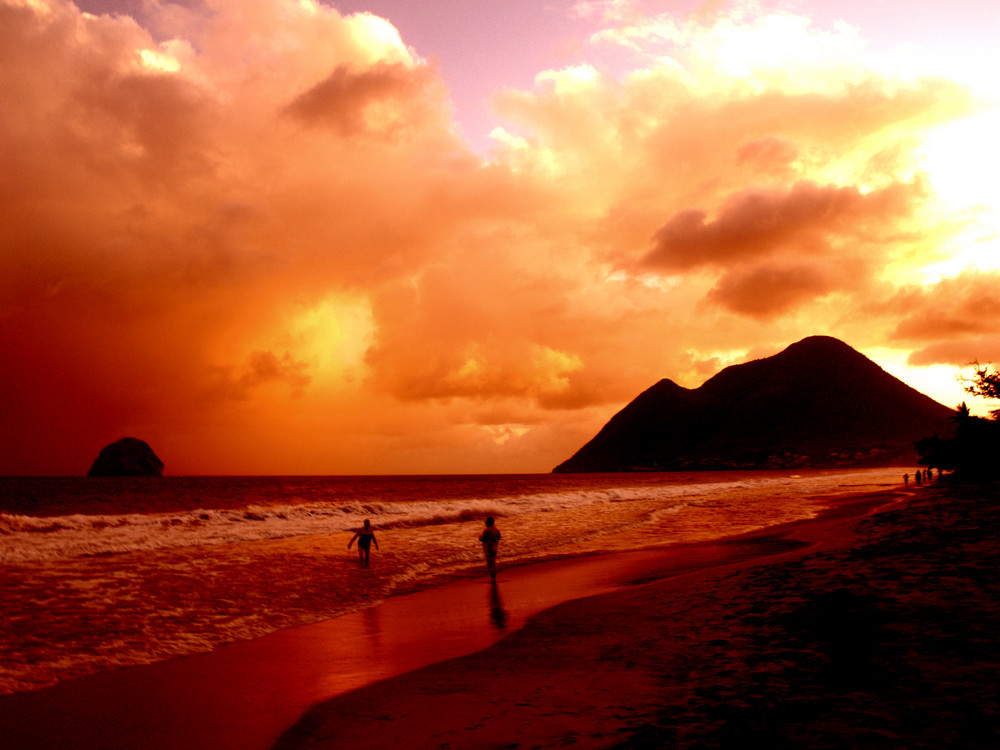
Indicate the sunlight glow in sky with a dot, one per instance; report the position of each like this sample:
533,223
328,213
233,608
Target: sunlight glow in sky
283,236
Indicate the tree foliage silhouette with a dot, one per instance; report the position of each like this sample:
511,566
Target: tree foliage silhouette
973,454
984,383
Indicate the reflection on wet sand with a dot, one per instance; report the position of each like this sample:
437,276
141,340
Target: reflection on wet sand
498,615
373,629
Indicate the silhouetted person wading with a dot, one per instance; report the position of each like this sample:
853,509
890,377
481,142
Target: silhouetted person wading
365,537
491,541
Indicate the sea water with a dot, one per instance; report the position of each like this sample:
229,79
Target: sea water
99,574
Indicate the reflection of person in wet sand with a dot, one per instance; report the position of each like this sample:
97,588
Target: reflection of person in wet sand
491,542
365,537
498,615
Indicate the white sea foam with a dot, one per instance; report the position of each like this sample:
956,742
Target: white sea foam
25,539
28,538
124,588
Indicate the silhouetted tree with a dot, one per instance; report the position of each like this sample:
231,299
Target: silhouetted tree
962,413
973,454
936,453
984,382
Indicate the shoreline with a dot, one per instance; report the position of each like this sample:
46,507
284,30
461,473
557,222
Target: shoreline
245,695
878,629
87,596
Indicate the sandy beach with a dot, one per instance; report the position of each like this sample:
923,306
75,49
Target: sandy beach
879,631
871,626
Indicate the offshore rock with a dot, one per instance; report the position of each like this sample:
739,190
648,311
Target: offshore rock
128,457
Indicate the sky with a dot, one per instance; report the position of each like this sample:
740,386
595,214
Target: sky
291,237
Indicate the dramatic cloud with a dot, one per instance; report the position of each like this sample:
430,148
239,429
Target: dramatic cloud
381,100
806,220
250,233
766,291
965,306
960,353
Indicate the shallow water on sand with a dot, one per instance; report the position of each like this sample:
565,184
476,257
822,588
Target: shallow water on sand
109,573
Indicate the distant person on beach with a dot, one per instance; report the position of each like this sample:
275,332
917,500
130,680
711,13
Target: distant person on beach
491,541
906,480
365,536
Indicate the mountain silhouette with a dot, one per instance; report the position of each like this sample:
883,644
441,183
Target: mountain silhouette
819,403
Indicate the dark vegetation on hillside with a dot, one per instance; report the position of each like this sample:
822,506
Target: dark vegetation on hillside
973,453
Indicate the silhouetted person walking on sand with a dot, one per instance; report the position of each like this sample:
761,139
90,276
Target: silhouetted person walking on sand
365,537
491,541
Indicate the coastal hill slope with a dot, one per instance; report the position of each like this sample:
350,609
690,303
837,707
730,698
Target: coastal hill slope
819,403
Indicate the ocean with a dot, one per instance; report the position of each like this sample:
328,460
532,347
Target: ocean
100,574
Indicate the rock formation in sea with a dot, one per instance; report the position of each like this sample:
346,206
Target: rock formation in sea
128,457
819,403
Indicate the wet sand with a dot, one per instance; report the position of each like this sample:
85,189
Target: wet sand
880,632
244,695
672,641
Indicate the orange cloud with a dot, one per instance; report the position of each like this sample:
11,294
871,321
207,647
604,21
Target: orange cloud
967,305
959,353
768,155
248,233
765,291
263,368
379,100
807,219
